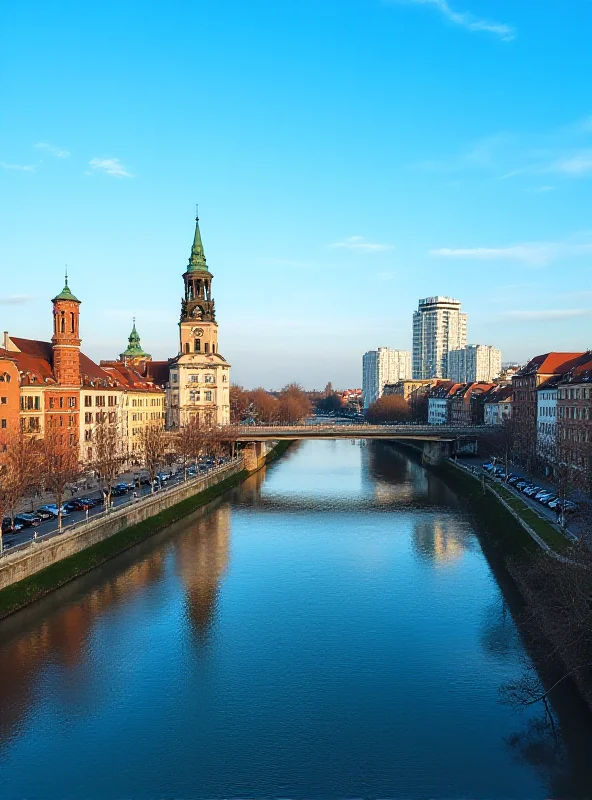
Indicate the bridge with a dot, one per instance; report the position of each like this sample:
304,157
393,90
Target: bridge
422,433
436,438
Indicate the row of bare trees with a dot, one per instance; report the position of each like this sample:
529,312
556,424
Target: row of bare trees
291,404
30,466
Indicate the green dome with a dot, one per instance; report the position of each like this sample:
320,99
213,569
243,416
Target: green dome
134,348
66,294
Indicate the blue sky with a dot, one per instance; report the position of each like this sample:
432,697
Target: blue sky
348,156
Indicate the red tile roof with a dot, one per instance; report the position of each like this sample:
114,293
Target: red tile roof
551,363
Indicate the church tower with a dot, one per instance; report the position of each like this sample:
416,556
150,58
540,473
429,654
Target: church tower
199,376
65,341
199,331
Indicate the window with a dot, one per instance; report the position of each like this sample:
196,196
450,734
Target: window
112,400
3,400
52,402
61,402
72,438
197,345
186,347
72,402
207,348
87,400
72,329
112,416
3,424
87,418
209,379
175,377
194,396
194,379
71,421
88,436
100,400
208,397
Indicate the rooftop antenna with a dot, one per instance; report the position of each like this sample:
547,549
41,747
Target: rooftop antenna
66,274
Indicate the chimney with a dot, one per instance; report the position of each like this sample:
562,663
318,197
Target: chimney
6,340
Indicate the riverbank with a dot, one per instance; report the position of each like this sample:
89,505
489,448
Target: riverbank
514,550
45,566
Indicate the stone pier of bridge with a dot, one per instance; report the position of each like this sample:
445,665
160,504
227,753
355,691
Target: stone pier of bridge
434,453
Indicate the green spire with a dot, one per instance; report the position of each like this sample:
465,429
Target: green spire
134,348
197,259
66,294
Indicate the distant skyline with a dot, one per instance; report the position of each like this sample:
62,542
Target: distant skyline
348,156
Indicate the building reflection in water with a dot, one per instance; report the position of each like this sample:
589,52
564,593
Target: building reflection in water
55,632
441,540
202,560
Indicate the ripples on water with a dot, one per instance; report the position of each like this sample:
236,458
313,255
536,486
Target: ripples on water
331,630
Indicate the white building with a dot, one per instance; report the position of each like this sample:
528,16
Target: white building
438,327
199,378
439,404
380,367
497,407
476,362
547,420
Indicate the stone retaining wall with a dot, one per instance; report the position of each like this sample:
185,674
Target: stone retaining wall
21,564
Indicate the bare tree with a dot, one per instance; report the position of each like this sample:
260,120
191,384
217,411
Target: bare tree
108,452
389,408
502,444
18,472
189,442
240,402
59,465
153,444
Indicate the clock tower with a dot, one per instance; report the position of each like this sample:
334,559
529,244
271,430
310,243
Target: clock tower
199,376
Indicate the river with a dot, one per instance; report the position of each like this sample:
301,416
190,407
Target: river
332,629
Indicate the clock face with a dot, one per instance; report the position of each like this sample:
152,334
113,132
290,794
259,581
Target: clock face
197,331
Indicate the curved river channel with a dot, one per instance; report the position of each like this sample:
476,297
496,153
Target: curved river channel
332,629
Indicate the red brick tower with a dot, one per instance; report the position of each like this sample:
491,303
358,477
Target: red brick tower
66,338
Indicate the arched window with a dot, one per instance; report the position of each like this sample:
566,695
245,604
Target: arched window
72,328
63,323
197,345
186,347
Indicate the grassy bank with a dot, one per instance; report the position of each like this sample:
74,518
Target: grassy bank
26,591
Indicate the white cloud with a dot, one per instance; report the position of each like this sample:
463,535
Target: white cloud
469,21
15,300
548,315
359,244
58,152
534,254
110,166
574,165
19,167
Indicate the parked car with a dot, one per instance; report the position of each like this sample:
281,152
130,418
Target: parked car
28,520
145,480
9,527
90,502
530,491
118,491
513,480
548,500
77,504
50,509
164,476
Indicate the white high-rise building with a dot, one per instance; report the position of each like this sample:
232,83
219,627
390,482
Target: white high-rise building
438,327
380,367
476,362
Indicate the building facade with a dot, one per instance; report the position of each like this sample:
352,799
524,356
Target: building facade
439,402
497,405
524,407
474,363
546,434
381,367
439,326
574,423
199,377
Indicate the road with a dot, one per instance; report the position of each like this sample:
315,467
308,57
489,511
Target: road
51,525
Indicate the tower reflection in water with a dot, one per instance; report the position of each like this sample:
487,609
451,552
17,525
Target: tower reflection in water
202,560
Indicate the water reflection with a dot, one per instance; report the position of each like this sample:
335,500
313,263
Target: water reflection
330,629
201,560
